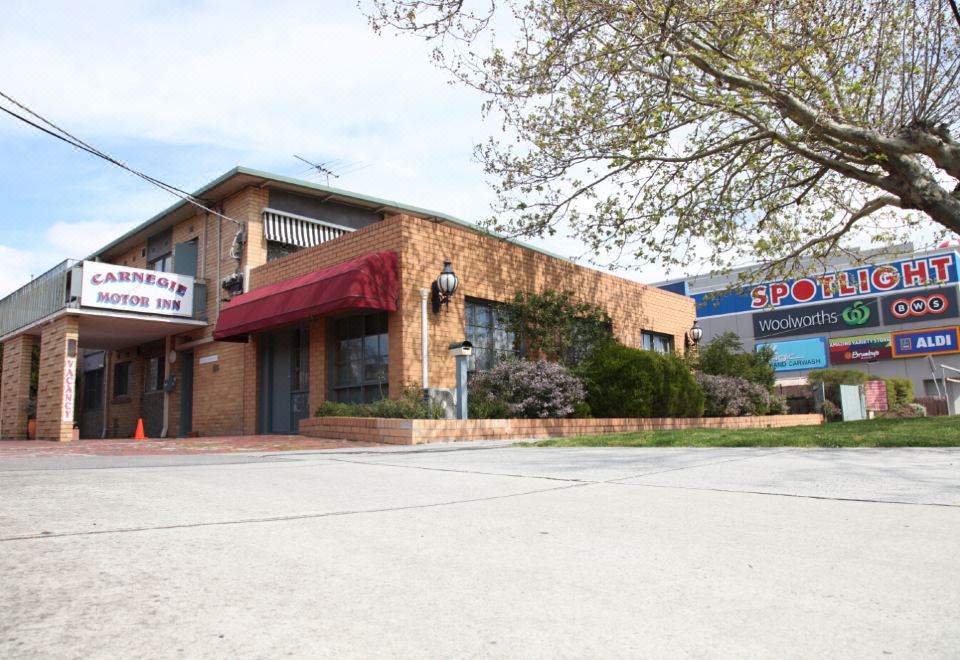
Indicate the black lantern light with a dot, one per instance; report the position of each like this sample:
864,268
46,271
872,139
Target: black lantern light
695,334
444,286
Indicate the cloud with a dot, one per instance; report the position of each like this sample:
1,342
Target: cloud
17,267
83,238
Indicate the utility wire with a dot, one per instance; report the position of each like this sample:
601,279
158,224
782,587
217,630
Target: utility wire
76,142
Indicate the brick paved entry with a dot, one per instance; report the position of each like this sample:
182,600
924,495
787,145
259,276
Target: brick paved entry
219,445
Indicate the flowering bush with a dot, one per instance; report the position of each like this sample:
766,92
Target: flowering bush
526,389
729,396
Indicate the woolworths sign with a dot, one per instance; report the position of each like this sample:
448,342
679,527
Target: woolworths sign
850,315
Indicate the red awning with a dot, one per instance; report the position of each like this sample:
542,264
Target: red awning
367,282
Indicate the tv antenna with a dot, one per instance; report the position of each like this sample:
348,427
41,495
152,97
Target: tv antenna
321,168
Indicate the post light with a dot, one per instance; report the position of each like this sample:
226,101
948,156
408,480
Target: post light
695,334
444,286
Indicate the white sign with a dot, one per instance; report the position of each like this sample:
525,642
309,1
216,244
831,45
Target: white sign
69,383
119,288
208,359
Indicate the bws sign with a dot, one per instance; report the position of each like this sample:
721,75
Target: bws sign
851,283
850,315
930,341
925,305
119,288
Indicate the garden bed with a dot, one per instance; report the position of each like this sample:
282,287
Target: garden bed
420,431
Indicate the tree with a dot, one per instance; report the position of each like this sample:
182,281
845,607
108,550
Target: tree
724,356
556,327
752,128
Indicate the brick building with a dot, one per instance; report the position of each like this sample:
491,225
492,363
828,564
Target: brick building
242,317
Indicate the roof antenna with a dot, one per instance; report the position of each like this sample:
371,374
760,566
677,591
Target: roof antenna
321,168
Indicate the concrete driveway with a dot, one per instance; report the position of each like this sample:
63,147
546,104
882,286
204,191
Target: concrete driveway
483,551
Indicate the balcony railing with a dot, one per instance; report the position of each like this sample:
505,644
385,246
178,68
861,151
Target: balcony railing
39,298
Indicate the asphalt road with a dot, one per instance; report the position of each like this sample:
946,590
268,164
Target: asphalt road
483,551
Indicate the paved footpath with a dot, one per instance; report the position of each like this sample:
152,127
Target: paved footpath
482,551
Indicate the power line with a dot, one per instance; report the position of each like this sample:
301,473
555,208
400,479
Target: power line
76,142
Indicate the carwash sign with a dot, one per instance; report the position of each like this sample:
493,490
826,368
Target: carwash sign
119,288
851,283
798,354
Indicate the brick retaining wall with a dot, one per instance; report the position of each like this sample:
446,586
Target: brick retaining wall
419,431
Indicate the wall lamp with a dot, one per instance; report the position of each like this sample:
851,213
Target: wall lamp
443,287
694,334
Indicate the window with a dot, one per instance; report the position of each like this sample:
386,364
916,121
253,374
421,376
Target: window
656,342
160,251
488,333
163,263
278,250
121,380
153,375
359,364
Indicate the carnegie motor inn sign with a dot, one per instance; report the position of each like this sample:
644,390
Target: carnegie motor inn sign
829,287
123,289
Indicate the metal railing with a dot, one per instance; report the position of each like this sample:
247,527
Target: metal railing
39,298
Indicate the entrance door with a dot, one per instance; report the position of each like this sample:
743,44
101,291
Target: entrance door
186,393
151,403
91,406
284,379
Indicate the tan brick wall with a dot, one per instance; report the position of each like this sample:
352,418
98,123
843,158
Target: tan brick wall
419,431
489,269
51,400
15,388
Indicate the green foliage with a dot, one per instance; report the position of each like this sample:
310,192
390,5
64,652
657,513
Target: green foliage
555,326
626,382
832,379
409,405
899,392
526,389
724,356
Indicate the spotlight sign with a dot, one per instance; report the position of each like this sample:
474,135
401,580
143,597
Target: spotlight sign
921,305
123,289
907,274
862,348
833,317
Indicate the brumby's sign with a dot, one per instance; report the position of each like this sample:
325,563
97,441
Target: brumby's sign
850,283
119,288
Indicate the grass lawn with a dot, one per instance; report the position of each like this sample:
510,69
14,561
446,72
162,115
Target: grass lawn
920,432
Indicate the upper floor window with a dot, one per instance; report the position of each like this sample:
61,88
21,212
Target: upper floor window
657,342
487,331
160,251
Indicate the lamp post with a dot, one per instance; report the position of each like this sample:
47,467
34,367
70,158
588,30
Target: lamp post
694,335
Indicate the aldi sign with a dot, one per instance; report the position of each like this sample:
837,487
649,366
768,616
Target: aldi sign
930,341
917,306
798,354
862,348
119,288
850,315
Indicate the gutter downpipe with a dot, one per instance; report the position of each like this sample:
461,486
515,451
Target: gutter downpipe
423,338
107,374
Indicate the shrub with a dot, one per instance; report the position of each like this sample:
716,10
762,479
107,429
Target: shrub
899,391
626,382
527,389
409,405
724,356
832,379
831,411
728,396
905,411
919,408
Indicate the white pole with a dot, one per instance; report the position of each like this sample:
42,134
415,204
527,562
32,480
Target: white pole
423,337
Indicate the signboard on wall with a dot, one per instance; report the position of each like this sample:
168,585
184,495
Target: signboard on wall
123,289
798,354
862,348
919,306
851,283
929,341
875,392
849,315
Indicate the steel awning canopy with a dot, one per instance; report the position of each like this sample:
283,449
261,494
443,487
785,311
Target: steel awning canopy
367,282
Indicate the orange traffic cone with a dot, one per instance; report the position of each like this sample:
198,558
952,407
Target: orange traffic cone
139,434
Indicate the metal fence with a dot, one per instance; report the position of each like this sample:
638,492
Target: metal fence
37,299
